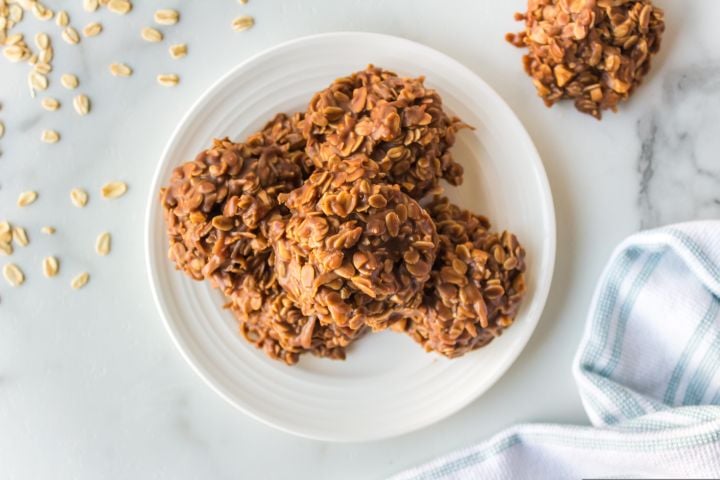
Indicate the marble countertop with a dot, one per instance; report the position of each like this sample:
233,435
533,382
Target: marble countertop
91,385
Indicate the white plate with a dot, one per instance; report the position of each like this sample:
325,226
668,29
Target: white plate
388,385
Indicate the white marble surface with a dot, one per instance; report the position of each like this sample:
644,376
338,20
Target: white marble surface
90,384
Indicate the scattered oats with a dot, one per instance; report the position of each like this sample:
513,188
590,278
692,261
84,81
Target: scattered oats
6,247
243,22
50,136
50,266
20,237
178,50
92,29
26,198
62,19
50,104
16,53
243,2
33,59
46,56
167,17
42,41
103,3
121,7
43,68
69,81
13,274
82,104
168,79
80,281
14,39
79,197
15,13
90,5
113,189
71,36
48,230
151,34
102,245
120,70
37,81
41,12
2,129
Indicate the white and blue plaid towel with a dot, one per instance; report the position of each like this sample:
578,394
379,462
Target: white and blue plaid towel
648,370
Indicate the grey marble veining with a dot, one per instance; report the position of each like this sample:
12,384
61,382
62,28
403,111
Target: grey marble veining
679,160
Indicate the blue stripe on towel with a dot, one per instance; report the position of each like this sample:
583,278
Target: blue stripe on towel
627,308
606,305
706,370
690,348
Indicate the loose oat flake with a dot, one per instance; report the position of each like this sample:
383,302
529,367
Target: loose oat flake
69,81
50,136
19,236
41,12
102,245
2,129
243,23
121,7
50,104
14,39
50,266
46,55
15,13
80,280
48,230
113,189
5,238
71,36
62,19
178,50
81,103
90,5
15,53
168,79
79,197
13,274
42,67
37,81
92,29
151,34
42,41
167,17
26,198
120,70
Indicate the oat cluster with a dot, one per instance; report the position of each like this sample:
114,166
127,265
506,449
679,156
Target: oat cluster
354,250
476,287
594,52
329,224
396,121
